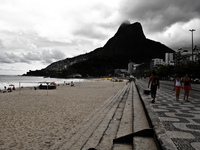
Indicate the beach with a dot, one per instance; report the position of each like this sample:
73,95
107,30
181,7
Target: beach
41,119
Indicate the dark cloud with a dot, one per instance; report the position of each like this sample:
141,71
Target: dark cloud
157,15
31,56
9,58
5,59
28,41
46,56
50,56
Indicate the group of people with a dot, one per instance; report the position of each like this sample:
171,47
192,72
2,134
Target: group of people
154,82
178,86
9,89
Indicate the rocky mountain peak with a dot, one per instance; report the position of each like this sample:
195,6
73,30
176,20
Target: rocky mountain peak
133,30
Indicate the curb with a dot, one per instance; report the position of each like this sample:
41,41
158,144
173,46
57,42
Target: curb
163,141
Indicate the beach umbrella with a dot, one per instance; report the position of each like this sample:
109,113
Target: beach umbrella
11,85
53,83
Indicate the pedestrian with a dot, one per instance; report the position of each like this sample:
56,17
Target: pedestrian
177,86
72,83
187,86
154,81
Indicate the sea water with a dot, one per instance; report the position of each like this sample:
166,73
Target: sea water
30,81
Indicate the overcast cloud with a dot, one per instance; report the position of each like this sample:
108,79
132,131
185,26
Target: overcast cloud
35,33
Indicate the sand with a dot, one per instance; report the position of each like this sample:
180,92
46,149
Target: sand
35,119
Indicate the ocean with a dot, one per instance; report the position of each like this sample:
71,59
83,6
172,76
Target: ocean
30,81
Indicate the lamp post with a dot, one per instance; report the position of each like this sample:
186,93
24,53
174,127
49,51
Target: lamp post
192,30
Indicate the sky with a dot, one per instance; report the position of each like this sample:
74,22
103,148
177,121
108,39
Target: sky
36,33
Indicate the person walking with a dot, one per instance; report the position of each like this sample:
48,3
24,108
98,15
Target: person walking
187,86
177,86
154,81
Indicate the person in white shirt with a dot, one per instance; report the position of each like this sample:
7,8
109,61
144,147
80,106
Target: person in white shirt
177,86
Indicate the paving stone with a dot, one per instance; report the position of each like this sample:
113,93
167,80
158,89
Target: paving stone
195,145
178,134
168,119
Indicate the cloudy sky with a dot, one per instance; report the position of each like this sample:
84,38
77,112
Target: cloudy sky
35,33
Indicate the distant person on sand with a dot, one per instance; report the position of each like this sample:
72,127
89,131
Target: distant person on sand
177,86
72,83
187,86
154,81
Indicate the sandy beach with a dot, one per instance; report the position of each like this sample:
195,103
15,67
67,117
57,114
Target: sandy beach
35,119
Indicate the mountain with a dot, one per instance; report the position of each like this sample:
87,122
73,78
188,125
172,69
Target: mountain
129,43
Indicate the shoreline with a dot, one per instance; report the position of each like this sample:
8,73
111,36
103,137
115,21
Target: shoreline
64,82
27,81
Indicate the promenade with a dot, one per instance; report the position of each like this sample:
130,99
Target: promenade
176,123
130,121
112,126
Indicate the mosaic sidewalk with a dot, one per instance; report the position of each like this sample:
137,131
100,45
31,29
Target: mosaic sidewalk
177,123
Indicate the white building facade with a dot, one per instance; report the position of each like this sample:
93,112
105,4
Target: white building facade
157,62
169,58
130,67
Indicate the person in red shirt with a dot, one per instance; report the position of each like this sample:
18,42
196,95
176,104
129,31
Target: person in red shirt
187,86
